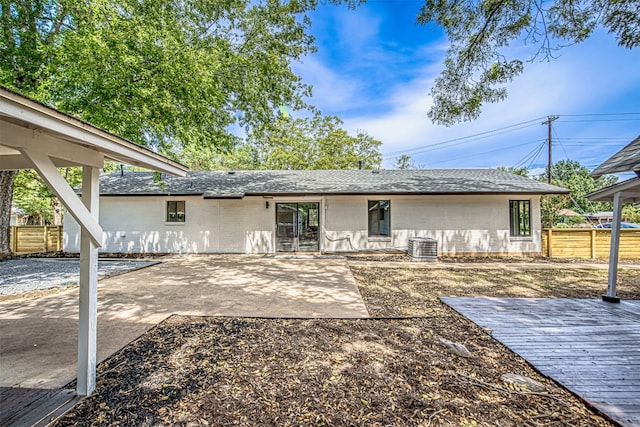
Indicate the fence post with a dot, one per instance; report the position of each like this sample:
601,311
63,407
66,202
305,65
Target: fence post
16,238
59,245
549,243
45,232
594,238
12,238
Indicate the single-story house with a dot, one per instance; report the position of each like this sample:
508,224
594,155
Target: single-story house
18,216
468,212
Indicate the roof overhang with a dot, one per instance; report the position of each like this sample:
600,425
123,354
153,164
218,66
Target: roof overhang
625,160
67,141
629,192
216,195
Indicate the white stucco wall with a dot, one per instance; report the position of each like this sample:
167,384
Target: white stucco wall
461,224
137,224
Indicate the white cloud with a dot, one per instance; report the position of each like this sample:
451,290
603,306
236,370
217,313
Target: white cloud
331,91
586,79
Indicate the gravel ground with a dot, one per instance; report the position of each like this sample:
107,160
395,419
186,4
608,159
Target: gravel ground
18,276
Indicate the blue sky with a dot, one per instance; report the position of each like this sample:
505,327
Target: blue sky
375,66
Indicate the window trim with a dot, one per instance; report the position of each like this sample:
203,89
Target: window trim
516,223
378,236
167,212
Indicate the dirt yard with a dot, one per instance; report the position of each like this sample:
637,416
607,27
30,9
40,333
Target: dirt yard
392,370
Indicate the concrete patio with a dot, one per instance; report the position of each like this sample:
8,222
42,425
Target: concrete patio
39,335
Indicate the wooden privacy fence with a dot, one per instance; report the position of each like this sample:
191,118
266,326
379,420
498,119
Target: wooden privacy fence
36,238
590,243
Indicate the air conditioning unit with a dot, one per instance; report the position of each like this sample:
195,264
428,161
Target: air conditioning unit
423,249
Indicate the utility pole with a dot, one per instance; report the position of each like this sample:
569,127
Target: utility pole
550,119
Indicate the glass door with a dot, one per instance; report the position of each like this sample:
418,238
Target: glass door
297,227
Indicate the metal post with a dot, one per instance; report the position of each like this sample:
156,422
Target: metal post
614,250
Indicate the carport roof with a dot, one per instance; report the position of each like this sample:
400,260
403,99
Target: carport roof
625,160
237,184
67,140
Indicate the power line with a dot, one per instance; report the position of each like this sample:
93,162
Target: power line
600,120
486,152
578,142
463,139
533,155
599,114
596,138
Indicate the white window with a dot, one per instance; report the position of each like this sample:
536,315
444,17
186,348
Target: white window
175,211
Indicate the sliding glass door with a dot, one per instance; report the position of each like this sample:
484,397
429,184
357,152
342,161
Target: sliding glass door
297,227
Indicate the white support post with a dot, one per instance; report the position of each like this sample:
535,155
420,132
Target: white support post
614,250
88,315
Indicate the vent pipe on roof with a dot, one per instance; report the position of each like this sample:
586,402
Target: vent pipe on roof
121,169
359,164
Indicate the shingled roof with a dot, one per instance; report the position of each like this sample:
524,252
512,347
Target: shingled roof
237,184
625,160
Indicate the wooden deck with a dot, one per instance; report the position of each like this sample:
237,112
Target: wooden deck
34,407
589,346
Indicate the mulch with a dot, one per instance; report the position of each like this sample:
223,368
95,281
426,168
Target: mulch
391,370
209,371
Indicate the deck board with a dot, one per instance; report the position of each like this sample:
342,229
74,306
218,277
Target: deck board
591,347
33,407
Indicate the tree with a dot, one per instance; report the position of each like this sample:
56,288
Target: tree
405,162
522,171
476,67
631,213
316,142
33,196
575,177
168,75
29,31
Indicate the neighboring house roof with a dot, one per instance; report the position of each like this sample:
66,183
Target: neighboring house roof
602,214
625,160
237,184
15,210
568,212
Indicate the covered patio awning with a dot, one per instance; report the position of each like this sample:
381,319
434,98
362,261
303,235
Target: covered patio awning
625,160
34,136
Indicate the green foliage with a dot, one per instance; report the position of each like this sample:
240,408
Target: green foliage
631,213
169,74
29,34
575,177
241,157
405,162
33,196
476,67
165,74
523,171
318,142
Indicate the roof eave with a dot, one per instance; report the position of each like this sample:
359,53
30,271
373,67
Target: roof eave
34,115
629,190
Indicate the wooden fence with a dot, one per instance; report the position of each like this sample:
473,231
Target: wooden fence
591,243
35,238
